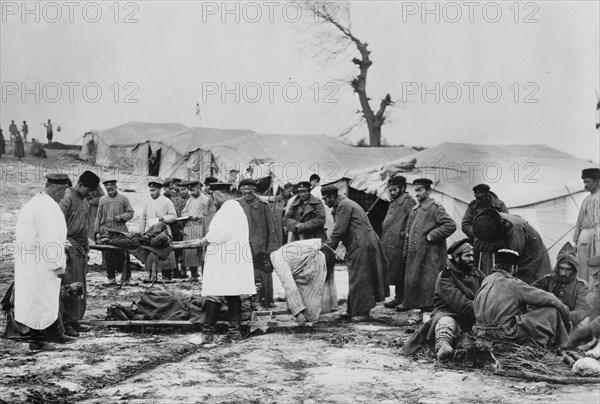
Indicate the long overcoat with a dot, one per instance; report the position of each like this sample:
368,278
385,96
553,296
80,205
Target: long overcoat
425,259
311,216
364,256
393,234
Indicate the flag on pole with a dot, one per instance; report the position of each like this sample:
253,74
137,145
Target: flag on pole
198,108
598,114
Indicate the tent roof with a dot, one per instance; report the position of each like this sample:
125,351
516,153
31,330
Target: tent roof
133,133
308,153
520,175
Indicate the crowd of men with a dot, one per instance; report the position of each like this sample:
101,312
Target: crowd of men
19,139
497,283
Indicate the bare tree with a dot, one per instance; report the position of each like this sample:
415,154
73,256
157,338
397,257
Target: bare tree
331,30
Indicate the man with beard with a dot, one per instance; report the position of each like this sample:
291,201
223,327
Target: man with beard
513,232
194,228
114,211
364,254
76,208
591,330
159,209
393,234
305,217
425,247
507,309
484,199
228,271
587,228
262,238
455,289
564,284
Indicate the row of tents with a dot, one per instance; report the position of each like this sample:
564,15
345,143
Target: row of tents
537,182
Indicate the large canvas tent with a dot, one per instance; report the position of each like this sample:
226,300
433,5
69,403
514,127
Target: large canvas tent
198,152
537,182
130,146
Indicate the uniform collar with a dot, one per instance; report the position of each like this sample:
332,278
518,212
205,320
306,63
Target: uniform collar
427,204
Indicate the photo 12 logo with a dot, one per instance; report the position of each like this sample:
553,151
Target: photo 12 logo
270,91
53,12
469,92
453,12
253,12
69,91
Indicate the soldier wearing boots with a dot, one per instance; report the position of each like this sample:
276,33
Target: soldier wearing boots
228,269
455,291
263,238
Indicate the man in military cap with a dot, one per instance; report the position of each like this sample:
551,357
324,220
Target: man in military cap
41,228
262,238
114,211
393,234
211,209
364,254
159,209
591,330
455,289
564,284
507,309
511,231
305,217
194,227
484,199
587,229
228,271
424,247
75,208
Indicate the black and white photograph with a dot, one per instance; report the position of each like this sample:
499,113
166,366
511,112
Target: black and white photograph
300,201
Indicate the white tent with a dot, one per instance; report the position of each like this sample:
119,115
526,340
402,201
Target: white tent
537,182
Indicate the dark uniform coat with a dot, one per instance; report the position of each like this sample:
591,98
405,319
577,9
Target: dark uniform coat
392,237
534,261
501,312
364,256
482,251
311,215
455,291
76,210
572,294
263,237
425,259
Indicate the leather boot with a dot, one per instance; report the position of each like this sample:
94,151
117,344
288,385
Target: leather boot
234,307
183,272
176,274
210,320
445,329
256,305
194,274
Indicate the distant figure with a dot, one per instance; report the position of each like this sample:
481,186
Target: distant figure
19,147
37,150
25,131
12,130
49,133
2,144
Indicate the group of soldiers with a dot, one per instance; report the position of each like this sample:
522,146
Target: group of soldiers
496,283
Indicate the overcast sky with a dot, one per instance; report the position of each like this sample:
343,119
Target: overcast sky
485,72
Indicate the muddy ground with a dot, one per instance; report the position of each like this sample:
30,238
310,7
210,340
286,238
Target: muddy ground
334,362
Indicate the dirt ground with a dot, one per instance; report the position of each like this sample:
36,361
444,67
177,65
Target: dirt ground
333,362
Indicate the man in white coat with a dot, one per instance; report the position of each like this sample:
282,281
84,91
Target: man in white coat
40,261
228,268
